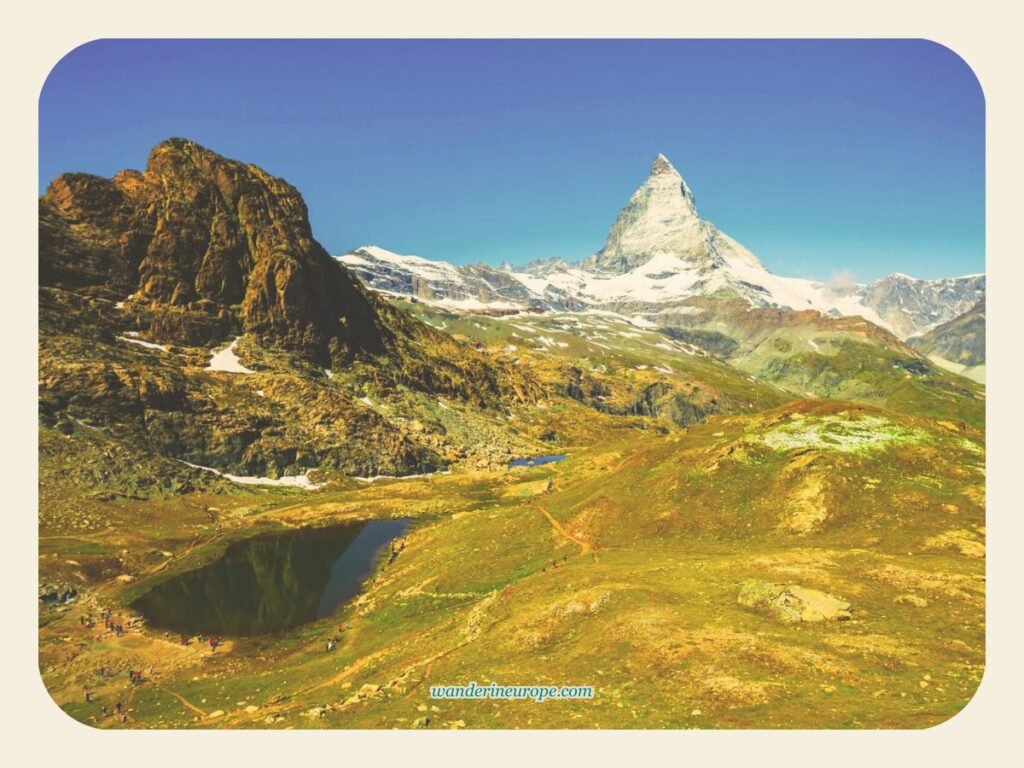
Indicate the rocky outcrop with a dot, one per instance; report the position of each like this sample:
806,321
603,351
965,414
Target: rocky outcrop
205,246
199,247
960,341
791,603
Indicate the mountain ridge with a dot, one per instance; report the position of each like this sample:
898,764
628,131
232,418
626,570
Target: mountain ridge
658,258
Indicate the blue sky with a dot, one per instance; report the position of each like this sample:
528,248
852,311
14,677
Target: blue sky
823,157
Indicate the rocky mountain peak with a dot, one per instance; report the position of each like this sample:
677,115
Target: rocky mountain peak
660,217
661,165
206,246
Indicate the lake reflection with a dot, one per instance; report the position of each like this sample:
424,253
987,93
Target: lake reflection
272,582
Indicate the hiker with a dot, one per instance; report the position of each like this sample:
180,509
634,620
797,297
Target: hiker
117,707
184,640
103,711
88,694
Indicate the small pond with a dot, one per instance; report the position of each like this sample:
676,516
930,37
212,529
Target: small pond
271,582
536,461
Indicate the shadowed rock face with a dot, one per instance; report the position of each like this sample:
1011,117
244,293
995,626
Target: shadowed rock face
961,340
207,246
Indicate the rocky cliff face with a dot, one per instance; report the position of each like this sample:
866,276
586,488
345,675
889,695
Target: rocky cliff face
205,246
960,340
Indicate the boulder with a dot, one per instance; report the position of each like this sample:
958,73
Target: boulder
791,603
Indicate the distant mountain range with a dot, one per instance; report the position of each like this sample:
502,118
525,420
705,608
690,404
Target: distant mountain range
661,262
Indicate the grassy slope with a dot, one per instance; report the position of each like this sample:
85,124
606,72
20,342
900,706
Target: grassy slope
660,531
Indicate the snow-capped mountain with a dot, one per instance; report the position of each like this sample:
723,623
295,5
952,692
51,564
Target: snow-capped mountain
661,260
661,217
470,287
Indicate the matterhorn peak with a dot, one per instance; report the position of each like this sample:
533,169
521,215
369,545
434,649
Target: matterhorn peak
661,165
661,217
664,174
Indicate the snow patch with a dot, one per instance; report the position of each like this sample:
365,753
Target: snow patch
147,344
289,481
226,361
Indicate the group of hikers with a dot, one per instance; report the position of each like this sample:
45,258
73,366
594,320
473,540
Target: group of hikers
554,564
119,711
214,641
109,622
332,642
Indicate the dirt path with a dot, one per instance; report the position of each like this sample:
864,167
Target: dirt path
180,698
585,546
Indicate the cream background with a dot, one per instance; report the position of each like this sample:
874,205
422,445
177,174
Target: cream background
984,33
